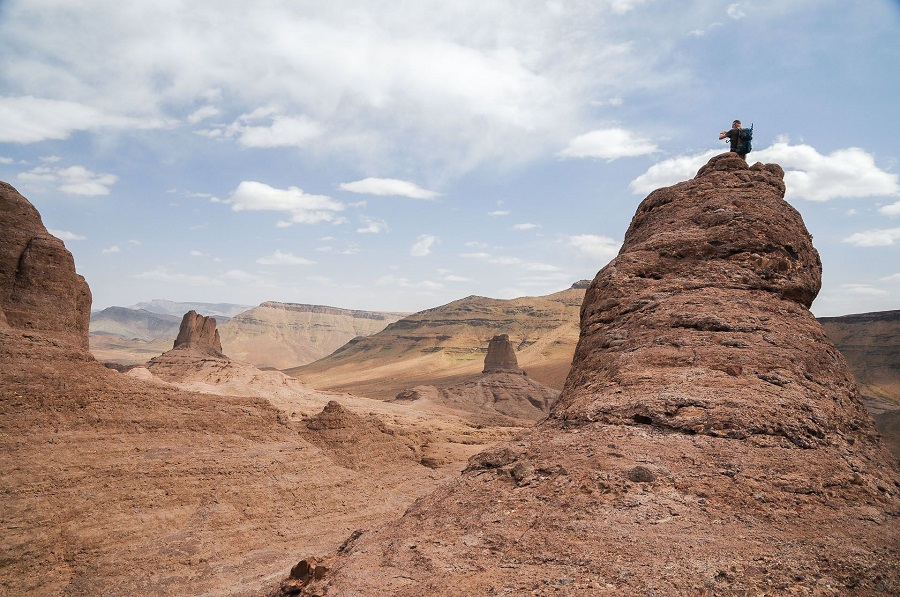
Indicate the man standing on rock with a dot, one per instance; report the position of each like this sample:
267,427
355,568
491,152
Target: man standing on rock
736,138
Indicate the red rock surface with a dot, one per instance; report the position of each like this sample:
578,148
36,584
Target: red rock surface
710,440
39,288
199,333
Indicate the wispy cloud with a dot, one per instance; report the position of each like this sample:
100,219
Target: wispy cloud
66,235
74,180
875,238
281,258
423,244
595,247
303,208
844,173
111,250
372,226
526,226
890,210
609,144
388,187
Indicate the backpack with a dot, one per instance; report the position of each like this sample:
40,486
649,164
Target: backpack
745,137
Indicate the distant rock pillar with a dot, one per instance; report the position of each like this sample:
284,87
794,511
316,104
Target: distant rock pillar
199,332
501,356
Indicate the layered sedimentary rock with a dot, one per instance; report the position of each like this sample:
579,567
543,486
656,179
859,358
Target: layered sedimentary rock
40,290
709,439
501,395
501,356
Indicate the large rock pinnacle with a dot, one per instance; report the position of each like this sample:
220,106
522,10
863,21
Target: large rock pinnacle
501,356
709,439
199,333
40,291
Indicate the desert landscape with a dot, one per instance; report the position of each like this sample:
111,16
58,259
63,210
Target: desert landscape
681,424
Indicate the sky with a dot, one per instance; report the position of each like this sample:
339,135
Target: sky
397,156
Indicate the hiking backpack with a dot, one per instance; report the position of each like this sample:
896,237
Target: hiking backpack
744,140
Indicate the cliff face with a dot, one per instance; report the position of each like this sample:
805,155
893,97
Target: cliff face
709,438
39,288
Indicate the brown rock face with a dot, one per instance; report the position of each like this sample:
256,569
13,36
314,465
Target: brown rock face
710,440
39,288
501,356
198,333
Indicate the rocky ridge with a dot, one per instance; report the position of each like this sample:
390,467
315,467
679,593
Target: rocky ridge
709,438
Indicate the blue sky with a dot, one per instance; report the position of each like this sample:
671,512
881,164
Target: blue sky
400,155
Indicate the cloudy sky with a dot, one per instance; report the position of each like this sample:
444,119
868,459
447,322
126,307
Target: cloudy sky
400,155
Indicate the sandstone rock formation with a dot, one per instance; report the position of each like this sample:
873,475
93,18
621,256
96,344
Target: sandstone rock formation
501,395
501,356
40,290
198,333
709,439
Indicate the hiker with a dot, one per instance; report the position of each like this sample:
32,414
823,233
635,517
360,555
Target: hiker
739,138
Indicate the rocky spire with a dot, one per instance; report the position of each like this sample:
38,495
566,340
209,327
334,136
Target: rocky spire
40,291
199,333
501,356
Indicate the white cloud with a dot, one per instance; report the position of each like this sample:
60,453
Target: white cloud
280,258
203,113
874,238
4,160
372,226
890,210
28,119
399,281
388,187
526,226
735,12
863,289
111,250
499,212
455,278
592,246
844,173
893,278
66,235
608,144
283,131
423,244
302,207
74,180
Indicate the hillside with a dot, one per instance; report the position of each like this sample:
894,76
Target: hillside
871,344
447,345
281,335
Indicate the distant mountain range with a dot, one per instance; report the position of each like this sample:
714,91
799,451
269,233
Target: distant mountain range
379,354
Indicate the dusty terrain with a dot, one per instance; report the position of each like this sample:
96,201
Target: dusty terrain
126,484
447,345
709,440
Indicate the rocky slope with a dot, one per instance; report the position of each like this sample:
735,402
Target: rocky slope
282,335
871,344
502,395
119,486
447,345
709,438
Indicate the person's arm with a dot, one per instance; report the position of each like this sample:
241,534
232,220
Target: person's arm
722,135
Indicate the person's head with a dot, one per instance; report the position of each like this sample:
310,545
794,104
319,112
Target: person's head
736,124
